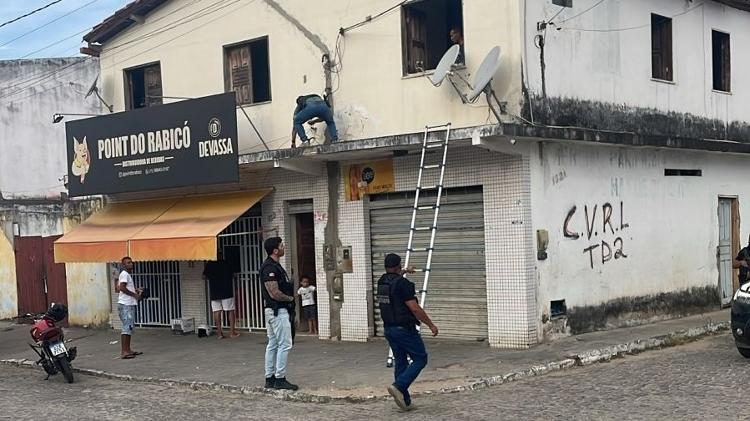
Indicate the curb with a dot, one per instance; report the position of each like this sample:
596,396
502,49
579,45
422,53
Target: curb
570,361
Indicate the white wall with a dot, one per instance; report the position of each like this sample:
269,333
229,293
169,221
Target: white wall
34,156
615,67
372,97
672,236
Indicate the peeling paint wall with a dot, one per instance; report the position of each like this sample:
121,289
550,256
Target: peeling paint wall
87,286
88,283
372,97
618,227
33,160
8,289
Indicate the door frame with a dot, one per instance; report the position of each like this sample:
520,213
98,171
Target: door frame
734,237
295,209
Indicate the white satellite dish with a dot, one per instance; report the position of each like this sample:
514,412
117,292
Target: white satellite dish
485,73
444,66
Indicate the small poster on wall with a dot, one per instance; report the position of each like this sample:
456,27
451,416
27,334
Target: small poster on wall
368,178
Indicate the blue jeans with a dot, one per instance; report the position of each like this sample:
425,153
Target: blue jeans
279,331
406,342
315,109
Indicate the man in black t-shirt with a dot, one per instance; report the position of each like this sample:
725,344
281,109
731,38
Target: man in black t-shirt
220,276
742,262
401,314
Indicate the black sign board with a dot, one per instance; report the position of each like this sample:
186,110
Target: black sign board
180,144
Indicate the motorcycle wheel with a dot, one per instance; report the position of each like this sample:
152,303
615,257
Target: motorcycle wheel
67,371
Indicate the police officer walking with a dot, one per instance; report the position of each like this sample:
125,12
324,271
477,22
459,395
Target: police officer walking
401,315
278,304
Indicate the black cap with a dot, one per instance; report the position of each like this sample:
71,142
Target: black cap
392,260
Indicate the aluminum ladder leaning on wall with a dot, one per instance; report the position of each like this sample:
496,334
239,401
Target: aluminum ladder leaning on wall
426,145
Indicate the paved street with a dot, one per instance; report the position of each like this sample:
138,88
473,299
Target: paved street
695,381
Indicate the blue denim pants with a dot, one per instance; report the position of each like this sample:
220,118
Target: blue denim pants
279,330
406,342
315,109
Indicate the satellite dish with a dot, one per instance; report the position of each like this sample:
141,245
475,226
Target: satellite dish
444,66
94,90
93,87
485,73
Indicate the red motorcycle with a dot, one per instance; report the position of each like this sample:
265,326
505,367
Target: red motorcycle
54,356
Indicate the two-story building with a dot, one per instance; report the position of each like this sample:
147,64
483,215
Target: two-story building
608,193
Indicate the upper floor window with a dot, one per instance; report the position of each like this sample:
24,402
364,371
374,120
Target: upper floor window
143,86
428,29
246,71
721,61
661,48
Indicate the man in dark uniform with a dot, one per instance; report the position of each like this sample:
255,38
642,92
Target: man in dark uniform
278,304
401,315
742,262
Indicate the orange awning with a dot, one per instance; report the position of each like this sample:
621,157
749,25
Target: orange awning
165,229
188,230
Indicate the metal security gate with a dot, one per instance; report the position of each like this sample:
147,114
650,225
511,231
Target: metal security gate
163,281
457,296
242,243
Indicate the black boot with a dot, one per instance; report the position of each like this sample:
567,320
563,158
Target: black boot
281,383
270,382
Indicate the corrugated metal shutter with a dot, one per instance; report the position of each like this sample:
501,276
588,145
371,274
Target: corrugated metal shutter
457,293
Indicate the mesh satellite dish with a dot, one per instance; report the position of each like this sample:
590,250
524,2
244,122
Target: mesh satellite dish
444,66
485,73
93,89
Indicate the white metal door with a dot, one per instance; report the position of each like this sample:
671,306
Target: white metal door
725,250
245,236
163,282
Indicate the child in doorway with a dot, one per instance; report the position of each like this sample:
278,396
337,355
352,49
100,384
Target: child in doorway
308,304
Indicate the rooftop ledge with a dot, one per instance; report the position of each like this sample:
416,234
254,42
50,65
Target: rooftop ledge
361,147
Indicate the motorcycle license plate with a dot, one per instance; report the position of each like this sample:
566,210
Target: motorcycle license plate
57,348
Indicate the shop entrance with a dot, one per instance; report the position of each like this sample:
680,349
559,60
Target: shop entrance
242,245
303,251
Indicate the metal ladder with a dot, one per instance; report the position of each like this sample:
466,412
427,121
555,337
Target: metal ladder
426,144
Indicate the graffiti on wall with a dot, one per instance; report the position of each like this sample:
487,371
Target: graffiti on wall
603,231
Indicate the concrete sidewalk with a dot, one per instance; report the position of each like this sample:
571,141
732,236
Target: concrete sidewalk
328,370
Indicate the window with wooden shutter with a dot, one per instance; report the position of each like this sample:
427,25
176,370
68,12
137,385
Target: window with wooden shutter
246,71
416,40
661,48
721,61
425,28
153,85
143,87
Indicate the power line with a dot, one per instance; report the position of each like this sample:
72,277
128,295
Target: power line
556,14
47,74
371,18
30,13
55,72
47,24
584,12
646,25
56,42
